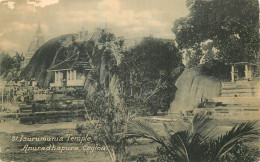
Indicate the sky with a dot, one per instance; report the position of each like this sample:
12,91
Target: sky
128,18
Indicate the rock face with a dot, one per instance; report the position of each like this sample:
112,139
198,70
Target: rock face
101,56
52,52
192,87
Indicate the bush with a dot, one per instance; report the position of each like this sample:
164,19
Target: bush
216,69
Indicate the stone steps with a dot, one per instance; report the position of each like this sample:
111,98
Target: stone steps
238,100
234,86
241,105
234,113
240,89
223,108
238,94
244,90
240,85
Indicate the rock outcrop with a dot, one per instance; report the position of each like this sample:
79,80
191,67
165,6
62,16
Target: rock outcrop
192,87
49,54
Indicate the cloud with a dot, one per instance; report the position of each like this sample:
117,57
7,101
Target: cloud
42,3
109,5
133,18
20,29
78,16
9,4
120,19
18,35
18,26
135,22
8,45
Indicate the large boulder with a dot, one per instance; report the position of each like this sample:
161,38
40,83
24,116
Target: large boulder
192,87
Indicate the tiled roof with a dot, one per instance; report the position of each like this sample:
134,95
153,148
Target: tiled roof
64,65
71,63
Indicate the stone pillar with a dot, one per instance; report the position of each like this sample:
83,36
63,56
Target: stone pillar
71,78
232,73
246,71
61,76
75,74
58,76
68,75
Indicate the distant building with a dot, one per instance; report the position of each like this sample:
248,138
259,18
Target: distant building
243,71
83,35
36,43
246,70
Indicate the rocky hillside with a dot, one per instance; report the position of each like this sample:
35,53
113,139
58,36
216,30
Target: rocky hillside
104,53
52,53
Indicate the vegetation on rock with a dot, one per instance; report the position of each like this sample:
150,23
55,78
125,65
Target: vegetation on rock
45,57
229,29
147,75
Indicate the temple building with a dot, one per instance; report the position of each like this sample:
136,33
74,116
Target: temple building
70,72
246,70
243,71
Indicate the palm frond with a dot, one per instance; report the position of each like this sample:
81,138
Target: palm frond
239,133
188,146
141,129
182,148
177,126
203,124
194,144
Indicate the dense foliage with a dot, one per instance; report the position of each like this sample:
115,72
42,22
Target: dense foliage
107,124
146,72
146,75
230,27
10,67
196,141
108,119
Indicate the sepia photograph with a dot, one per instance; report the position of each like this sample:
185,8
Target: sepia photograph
129,81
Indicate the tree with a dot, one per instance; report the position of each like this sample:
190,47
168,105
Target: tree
153,66
194,142
6,64
231,25
10,67
146,75
108,123
108,118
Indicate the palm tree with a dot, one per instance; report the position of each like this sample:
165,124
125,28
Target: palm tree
194,142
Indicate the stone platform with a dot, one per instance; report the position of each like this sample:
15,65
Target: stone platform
239,100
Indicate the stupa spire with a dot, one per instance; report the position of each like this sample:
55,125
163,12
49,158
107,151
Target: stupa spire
39,31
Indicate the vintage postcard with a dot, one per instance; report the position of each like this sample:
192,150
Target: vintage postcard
129,80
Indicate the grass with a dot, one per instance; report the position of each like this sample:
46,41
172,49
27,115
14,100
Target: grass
11,151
